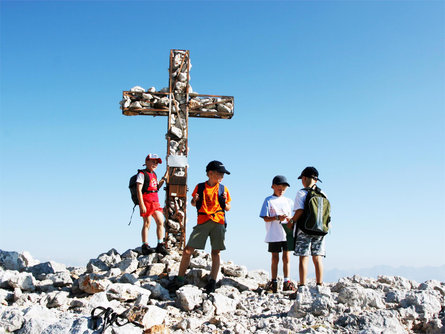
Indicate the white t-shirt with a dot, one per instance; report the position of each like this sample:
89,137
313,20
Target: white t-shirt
276,206
300,198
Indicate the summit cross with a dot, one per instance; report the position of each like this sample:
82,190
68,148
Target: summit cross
178,102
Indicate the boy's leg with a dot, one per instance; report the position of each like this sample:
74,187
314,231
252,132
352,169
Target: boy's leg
159,219
274,265
145,228
286,264
318,263
303,269
185,260
215,263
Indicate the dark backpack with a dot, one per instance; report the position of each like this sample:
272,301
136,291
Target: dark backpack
316,214
221,200
133,188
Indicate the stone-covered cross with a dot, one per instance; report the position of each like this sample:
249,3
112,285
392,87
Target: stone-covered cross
178,102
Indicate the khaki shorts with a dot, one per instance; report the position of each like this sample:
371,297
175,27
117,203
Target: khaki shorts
201,232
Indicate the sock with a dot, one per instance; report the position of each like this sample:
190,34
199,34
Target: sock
286,279
159,241
145,243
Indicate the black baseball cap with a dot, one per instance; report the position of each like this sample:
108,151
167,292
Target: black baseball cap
217,166
280,179
310,172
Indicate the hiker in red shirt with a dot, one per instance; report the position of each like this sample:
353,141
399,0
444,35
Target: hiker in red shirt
147,191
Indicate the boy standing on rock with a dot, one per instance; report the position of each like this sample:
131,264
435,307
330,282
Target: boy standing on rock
211,199
276,211
147,190
307,243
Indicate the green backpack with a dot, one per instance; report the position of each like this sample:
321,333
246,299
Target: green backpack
317,213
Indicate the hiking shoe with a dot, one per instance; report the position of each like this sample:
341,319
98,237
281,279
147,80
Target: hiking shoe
289,286
272,286
210,286
160,248
175,284
146,250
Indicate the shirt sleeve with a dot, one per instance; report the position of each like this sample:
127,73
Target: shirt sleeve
265,209
140,178
195,191
299,200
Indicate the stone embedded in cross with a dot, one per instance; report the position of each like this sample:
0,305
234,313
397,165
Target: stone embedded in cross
178,102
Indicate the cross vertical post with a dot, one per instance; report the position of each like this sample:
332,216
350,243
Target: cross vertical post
178,102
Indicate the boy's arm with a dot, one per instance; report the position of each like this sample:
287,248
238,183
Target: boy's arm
195,196
227,198
141,201
295,218
161,181
270,219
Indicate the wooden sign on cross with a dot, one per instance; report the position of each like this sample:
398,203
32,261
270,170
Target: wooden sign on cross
178,102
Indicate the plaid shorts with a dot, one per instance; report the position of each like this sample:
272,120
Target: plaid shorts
306,245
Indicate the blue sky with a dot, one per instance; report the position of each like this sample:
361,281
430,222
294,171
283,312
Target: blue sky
355,89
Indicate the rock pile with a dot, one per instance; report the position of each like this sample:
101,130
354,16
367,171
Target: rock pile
48,297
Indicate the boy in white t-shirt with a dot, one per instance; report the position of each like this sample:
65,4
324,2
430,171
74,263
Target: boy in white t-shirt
276,212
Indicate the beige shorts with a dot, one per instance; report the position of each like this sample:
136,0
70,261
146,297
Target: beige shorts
201,232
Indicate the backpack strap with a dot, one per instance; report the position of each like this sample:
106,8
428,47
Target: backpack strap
221,199
200,192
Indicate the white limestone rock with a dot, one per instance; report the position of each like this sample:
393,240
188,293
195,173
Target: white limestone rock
223,304
136,104
155,269
137,89
230,269
128,265
157,290
154,316
92,283
40,270
60,279
11,319
125,292
58,299
189,297
23,281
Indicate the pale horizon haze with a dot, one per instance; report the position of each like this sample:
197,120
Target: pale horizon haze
356,89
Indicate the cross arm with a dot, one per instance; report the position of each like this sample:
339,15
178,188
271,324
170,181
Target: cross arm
141,102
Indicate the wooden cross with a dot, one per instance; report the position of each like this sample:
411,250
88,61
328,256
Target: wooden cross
178,102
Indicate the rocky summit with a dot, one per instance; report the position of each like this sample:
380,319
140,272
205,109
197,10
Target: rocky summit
128,293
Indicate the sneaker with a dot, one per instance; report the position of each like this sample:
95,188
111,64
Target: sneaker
146,250
272,286
289,286
160,248
210,286
301,287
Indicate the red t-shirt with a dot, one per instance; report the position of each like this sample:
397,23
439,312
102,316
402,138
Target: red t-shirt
153,186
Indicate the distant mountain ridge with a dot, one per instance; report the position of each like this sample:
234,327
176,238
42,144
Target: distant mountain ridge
419,274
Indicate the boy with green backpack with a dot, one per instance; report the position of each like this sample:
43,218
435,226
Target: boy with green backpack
310,224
